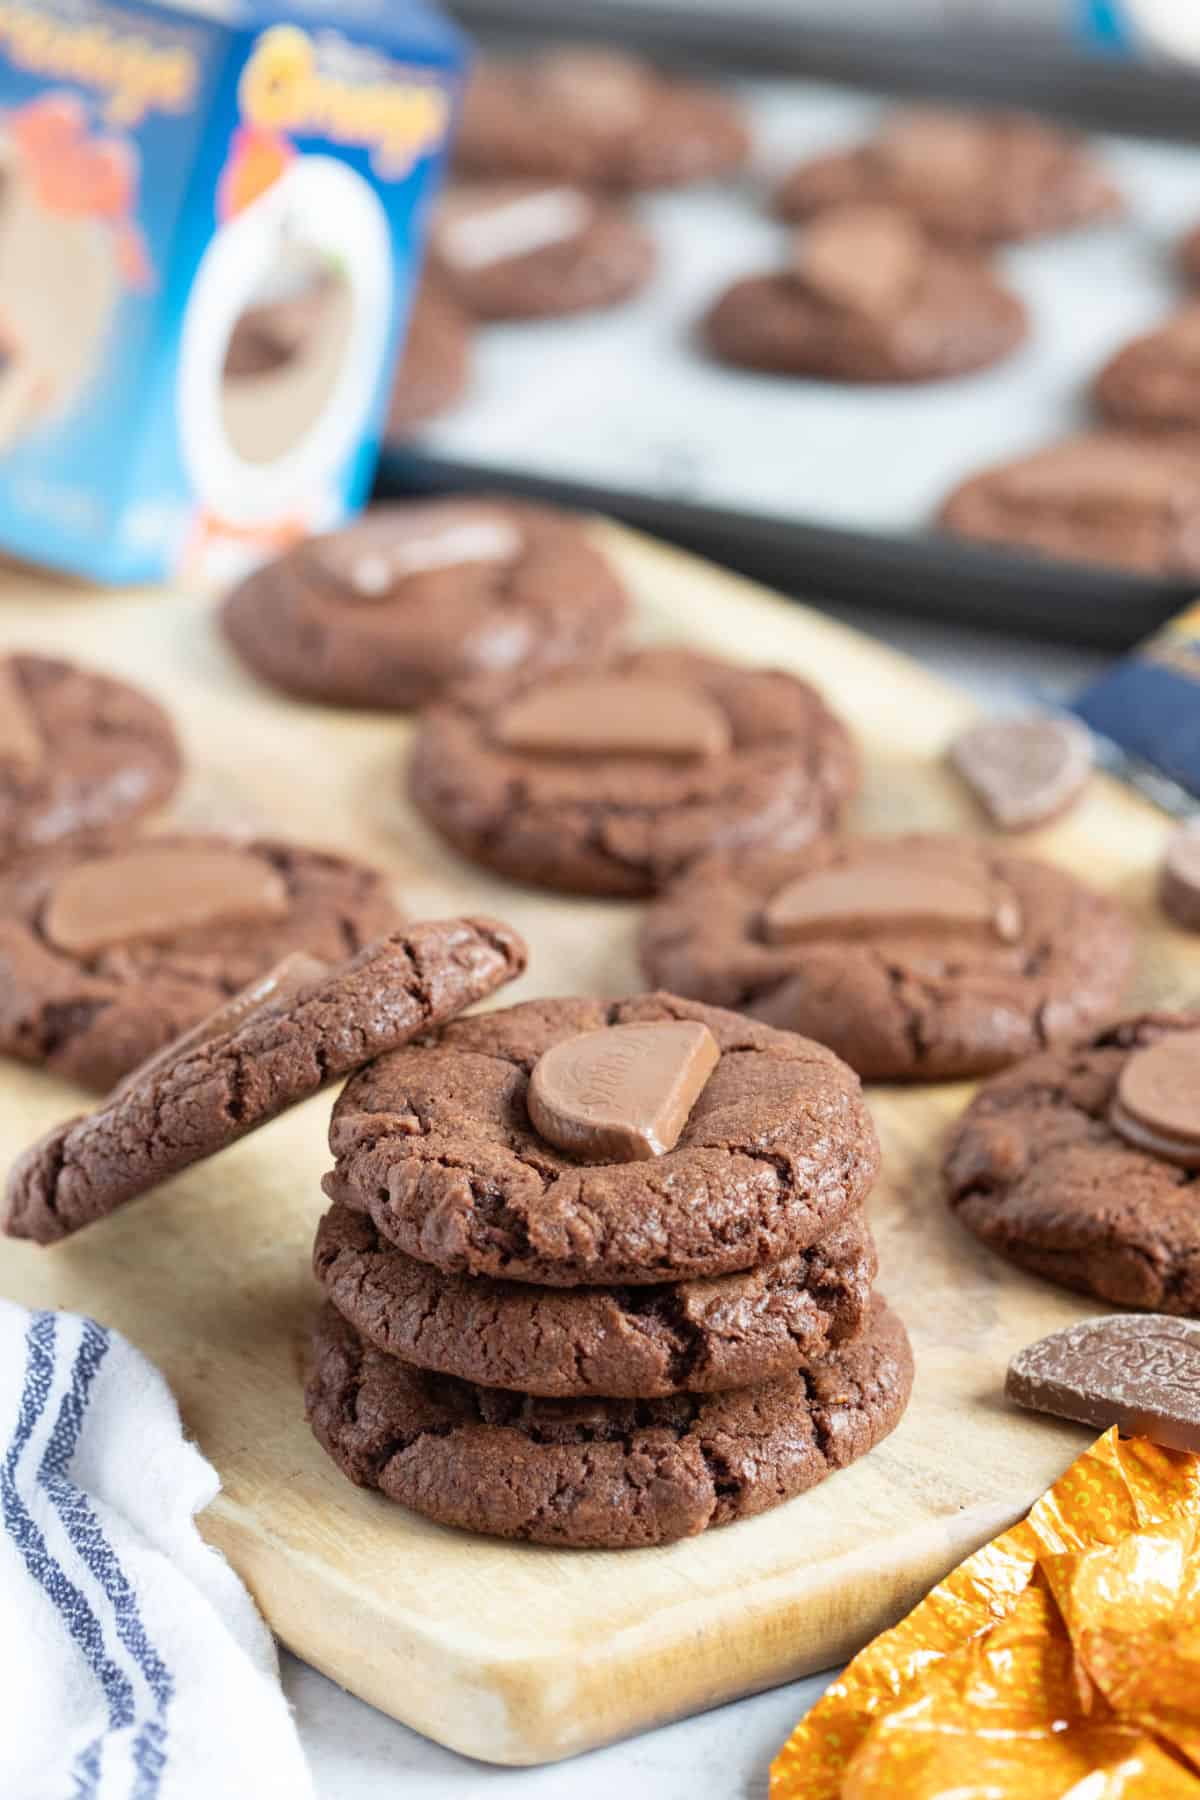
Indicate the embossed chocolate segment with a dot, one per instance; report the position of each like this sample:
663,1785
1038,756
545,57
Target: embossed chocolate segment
867,258
1024,771
290,976
156,891
22,750
622,1094
880,895
1157,1103
614,715
374,558
1140,1372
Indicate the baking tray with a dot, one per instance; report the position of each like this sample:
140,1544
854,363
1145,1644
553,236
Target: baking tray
817,487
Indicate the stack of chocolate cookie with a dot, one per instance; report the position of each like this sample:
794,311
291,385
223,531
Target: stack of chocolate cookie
600,1274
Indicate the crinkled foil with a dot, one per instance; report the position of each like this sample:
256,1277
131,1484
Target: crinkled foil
1062,1659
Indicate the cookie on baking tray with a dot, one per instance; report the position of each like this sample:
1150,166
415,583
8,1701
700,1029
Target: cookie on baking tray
609,781
80,753
600,1473
916,958
396,606
457,1149
596,117
534,250
435,363
109,952
1080,1164
868,295
301,1025
1153,383
1115,497
971,178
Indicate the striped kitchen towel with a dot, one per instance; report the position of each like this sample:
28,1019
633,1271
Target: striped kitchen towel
133,1665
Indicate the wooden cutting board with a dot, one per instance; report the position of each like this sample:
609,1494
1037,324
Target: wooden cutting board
521,1654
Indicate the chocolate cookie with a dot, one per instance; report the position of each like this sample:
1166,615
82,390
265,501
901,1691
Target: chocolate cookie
599,118
729,1331
915,958
1188,255
605,1474
435,364
80,753
274,1045
868,295
610,782
108,953
392,609
1076,1165
437,1146
526,250
1154,382
971,178
1112,497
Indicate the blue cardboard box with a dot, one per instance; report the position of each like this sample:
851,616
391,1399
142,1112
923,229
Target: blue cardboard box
211,217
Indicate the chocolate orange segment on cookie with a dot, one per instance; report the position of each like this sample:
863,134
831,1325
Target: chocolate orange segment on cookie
624,1093
609,783
440,1146
81,754
915,957
251,1063
868,296
1078,1164
108,953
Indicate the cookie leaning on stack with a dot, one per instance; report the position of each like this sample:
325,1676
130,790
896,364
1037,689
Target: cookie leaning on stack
599,1274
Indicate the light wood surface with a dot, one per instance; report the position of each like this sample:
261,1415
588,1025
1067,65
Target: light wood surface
518,1653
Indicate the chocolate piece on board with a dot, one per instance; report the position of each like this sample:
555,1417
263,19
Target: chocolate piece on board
622,1094
1140,1373
1024,771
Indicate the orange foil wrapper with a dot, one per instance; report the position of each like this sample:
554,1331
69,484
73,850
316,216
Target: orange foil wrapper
1062,1659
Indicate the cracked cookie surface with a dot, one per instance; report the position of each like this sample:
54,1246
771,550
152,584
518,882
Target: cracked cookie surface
1035,1169
435,1144
924,1006
703,1336
624,824
186,1107
609,1474
92,1018
80,753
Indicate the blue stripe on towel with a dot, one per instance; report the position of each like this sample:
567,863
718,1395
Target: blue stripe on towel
87,1537
77,1616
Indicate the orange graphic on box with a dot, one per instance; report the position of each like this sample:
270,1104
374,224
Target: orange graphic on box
78,173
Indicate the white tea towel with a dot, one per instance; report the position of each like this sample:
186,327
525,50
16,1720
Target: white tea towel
133,1664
